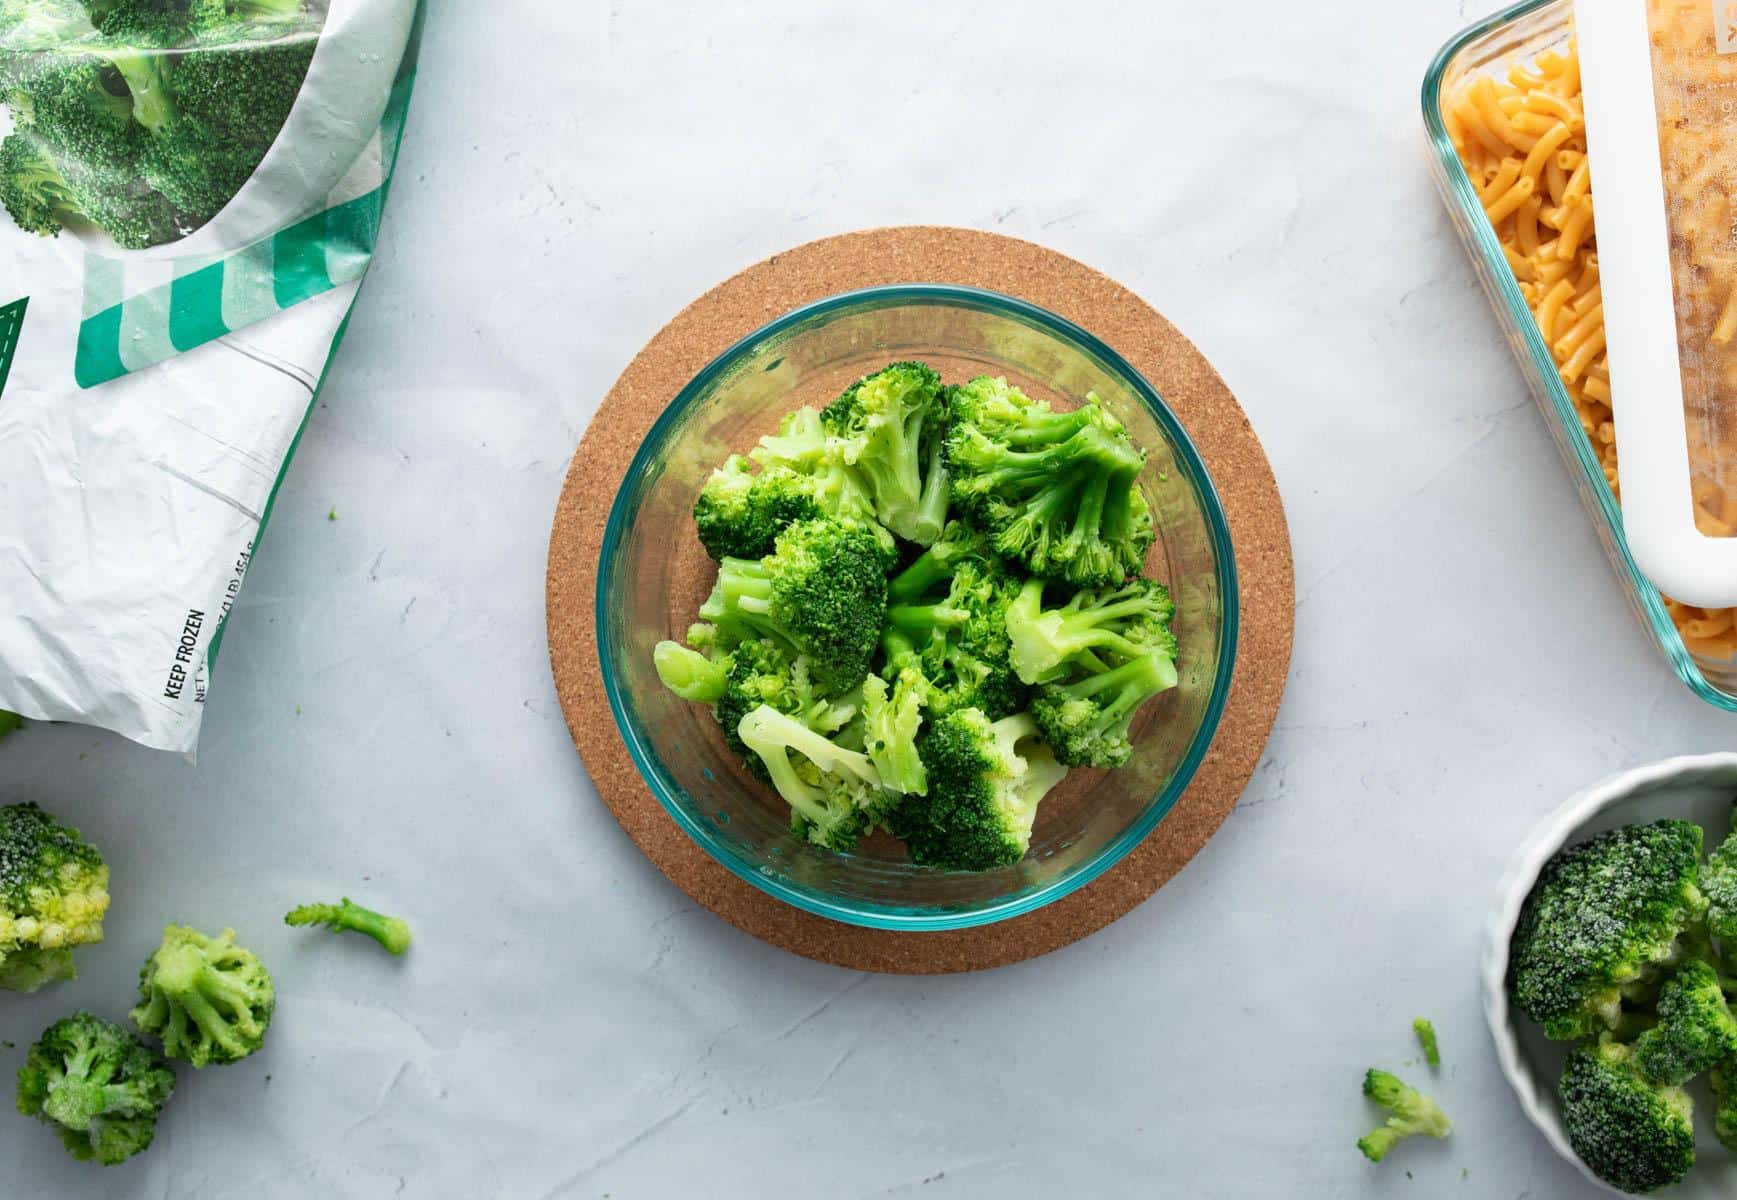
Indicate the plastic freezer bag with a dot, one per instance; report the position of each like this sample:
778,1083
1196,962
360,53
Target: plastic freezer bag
192,193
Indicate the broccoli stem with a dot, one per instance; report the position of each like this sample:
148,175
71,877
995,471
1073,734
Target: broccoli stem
346,916
147,80
924,619
1133,683
931,514
688,673
1045,641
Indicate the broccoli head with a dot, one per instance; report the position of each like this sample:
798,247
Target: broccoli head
1412,1112
986,780
346,916
835,794
1635,1134
1088,720
893,713
764,672
888,427
79,103
1093,627
740,513
957,638
207,999
821,593
97,1085
1695,1029
1058,492
1719,884
1604,915
54,891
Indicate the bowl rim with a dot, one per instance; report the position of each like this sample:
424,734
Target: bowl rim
813,900
1545,839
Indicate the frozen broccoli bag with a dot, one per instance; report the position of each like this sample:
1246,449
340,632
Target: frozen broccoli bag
192,192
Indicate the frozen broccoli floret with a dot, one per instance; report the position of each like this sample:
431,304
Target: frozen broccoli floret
1695,1029
54,892
1635,1134
205,998
1604,915
1719,884
1412,1112
97,1085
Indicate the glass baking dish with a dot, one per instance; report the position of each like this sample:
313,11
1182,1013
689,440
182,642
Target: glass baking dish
1519,34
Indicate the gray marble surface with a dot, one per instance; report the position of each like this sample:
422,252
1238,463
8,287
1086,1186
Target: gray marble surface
570,1025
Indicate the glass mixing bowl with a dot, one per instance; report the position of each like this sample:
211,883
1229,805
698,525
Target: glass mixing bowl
653,575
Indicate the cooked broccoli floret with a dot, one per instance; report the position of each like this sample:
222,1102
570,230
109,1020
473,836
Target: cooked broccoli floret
10,722
97,1085
893,715
54,891
888,426
764,672
935,566
1719,884
393,933
958,639
1636,1135
1056,491
1695,1029
1087,721
835,794
1604,915
1413,1113
207,999
985,782
822,593
1090,629
740,513
1425,1030
688,673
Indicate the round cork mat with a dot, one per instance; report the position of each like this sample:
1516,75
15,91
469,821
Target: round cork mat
1168,360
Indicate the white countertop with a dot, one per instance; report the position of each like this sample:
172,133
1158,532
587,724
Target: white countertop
383,724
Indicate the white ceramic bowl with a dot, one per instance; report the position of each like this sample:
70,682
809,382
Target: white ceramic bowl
349,82
1693,789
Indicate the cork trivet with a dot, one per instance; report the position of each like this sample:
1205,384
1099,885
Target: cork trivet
1168,360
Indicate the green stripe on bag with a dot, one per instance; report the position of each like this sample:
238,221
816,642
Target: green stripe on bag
309,258
11,325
